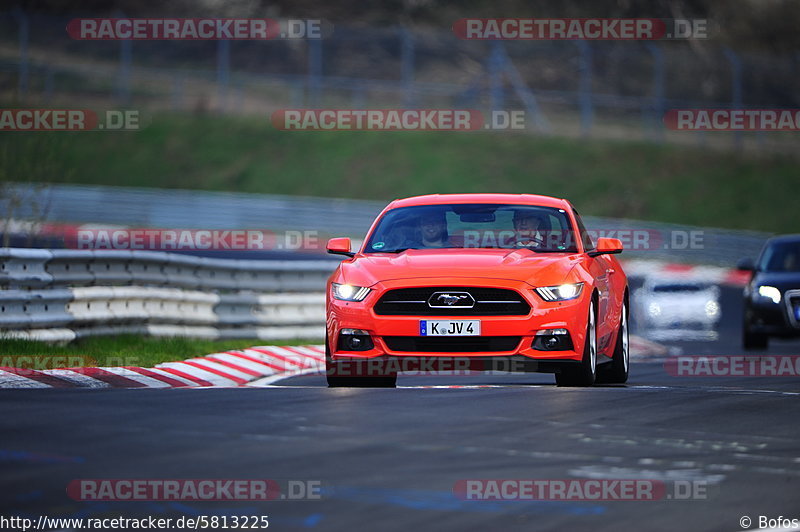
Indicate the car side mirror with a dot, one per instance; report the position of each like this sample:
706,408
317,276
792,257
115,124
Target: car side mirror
606,246
340,246
746,265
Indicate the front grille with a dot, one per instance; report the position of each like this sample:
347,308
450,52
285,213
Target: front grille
452,344
793,303
488,302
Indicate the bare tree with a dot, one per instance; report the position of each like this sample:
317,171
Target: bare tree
28,163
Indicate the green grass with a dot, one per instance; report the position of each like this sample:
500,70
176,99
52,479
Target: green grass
605,178
123,350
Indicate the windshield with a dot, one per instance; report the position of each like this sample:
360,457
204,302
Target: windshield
473,226
781,257
675,287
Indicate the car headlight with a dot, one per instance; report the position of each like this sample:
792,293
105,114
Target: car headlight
654,309
562,292
770,292
348,292
712,308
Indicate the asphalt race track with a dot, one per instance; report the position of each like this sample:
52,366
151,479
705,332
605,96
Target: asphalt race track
389,459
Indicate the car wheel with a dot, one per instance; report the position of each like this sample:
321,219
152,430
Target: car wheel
351,377
616,371
585,373
751,340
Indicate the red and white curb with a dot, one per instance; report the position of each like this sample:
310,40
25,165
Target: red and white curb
229,368
264,364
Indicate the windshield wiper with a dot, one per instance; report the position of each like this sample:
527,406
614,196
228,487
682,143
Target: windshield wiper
398,250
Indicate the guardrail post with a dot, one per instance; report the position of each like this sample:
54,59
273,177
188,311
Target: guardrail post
24,40
223,72
495,68
49,83
239,98
736,89
659,89
124,76
177,92
407,66
357,97
585,90
314,72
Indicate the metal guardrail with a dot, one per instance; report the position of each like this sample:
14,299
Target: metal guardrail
65,294
166,208
671,242
60,295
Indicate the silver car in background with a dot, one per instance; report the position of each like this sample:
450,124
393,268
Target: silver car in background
677,307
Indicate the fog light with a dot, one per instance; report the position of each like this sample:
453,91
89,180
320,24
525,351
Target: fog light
355,340
552,340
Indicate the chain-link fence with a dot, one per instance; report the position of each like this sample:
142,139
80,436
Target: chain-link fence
570,87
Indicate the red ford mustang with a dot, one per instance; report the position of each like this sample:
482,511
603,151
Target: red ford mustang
492,281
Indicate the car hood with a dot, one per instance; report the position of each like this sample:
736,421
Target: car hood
516,264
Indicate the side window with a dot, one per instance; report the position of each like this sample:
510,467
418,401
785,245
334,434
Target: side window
586,238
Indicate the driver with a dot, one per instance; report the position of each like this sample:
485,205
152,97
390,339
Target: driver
433,227
527,225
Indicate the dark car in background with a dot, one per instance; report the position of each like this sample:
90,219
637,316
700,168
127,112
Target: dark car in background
772,297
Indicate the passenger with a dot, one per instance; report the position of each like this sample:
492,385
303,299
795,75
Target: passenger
433,227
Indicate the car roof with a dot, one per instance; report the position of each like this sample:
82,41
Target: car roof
515,199
782,239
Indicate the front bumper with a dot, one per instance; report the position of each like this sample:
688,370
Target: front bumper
763,316
403,331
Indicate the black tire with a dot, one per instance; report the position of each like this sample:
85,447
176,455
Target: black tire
616,371
585,373
751,340
333,373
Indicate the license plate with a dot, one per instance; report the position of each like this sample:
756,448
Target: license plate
449,328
